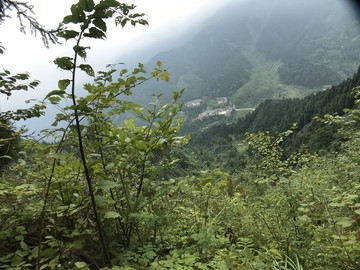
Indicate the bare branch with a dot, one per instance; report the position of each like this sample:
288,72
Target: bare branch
22,10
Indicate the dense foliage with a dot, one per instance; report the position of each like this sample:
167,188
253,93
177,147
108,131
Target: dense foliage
130,196
278,115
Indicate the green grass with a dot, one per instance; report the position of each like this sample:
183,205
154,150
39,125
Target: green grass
265,83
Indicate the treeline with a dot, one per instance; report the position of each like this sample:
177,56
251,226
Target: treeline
304,72
279,115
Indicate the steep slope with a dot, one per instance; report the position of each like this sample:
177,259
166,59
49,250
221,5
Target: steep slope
317,44
257,50
220,143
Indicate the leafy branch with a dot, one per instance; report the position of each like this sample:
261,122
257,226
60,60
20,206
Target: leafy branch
90,18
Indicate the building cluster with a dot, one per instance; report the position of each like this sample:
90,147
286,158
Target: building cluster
225,111
193,103
220,111
222,100
197,102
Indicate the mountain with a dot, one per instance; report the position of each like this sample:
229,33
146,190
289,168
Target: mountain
218,143
255,50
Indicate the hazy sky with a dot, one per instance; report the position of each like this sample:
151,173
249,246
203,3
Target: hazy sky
167,18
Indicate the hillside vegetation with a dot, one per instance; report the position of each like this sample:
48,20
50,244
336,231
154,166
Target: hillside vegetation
247,193
257,50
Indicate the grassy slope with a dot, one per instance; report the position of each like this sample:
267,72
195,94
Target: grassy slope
264,82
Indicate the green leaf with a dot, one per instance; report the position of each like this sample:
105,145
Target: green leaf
34,84
88,69
110,166
107,185
111,214
99,23
19,238
95,33
78,14
130,124
64,63
68,34
24,246
105,4
150,254
80,50
63,84
87,5
336,204
84,108
55,93
165,76
357,211
102,13
123,72
345,222
22,76
11,158
70,19
80,265
54,99
123,21
141,145
339,237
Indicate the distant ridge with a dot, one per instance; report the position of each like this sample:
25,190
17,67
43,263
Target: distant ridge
257,50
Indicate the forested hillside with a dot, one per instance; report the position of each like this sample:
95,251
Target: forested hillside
247,193
221,137
255,50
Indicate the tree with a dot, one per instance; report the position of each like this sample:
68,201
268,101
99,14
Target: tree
19,82
111,170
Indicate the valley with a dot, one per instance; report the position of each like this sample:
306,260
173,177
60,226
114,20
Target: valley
235,149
